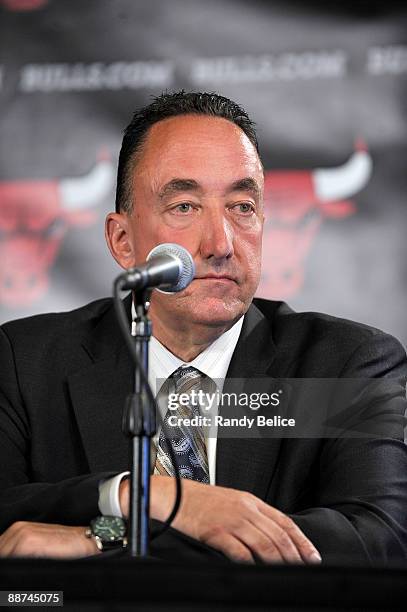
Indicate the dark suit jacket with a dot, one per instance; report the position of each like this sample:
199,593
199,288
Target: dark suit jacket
64,378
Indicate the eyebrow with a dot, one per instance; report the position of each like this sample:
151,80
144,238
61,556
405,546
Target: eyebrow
177,185
246,184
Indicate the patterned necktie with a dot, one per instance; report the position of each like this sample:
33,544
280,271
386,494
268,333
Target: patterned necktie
187,442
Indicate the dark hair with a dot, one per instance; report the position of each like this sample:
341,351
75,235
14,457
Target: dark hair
172,105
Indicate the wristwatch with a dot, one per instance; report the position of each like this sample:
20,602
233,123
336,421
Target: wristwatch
108,532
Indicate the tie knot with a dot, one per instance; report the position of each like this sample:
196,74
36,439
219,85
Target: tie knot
186,378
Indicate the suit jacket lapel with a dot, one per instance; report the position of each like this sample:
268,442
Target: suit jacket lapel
98,392
249,463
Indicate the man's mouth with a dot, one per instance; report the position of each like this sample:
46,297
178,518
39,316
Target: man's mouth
217,277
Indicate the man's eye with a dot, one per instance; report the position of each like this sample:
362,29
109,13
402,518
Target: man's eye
244,207
183,208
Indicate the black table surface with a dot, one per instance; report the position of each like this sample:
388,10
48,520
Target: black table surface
110,582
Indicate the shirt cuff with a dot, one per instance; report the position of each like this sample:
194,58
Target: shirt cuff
109,503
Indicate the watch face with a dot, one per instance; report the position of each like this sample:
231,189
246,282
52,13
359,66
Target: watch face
108,528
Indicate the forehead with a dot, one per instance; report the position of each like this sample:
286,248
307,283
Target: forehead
209,150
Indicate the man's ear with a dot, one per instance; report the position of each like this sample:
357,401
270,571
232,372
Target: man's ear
118,239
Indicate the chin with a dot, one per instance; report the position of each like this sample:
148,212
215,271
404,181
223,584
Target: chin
214,311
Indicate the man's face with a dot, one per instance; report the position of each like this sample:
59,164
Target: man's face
198,182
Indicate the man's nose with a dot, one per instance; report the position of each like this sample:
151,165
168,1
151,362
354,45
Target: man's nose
216,237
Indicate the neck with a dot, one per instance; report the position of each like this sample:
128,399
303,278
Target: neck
186,341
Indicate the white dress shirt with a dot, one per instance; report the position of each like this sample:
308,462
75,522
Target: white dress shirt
214,362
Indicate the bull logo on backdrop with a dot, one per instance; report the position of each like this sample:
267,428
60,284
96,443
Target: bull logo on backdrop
34,218
296,203
23,5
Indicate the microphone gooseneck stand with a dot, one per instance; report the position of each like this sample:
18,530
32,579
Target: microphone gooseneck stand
139,419
171,268
139,424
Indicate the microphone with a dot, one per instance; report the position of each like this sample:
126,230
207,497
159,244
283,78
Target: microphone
168,267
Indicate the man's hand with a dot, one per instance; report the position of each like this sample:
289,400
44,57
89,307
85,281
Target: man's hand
237,523
24,539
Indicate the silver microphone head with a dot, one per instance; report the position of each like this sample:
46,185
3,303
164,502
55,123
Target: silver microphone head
187,266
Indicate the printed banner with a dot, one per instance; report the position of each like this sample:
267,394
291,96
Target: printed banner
325,88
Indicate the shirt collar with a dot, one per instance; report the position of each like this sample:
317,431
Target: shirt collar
213,361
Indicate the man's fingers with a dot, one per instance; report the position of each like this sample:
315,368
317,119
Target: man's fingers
26,539
230,546
281,540
261,544
248,541
305,547
11,538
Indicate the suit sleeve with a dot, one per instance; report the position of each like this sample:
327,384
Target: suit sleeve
360,514
71,502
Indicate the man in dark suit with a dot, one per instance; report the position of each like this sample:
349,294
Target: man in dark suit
190,173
